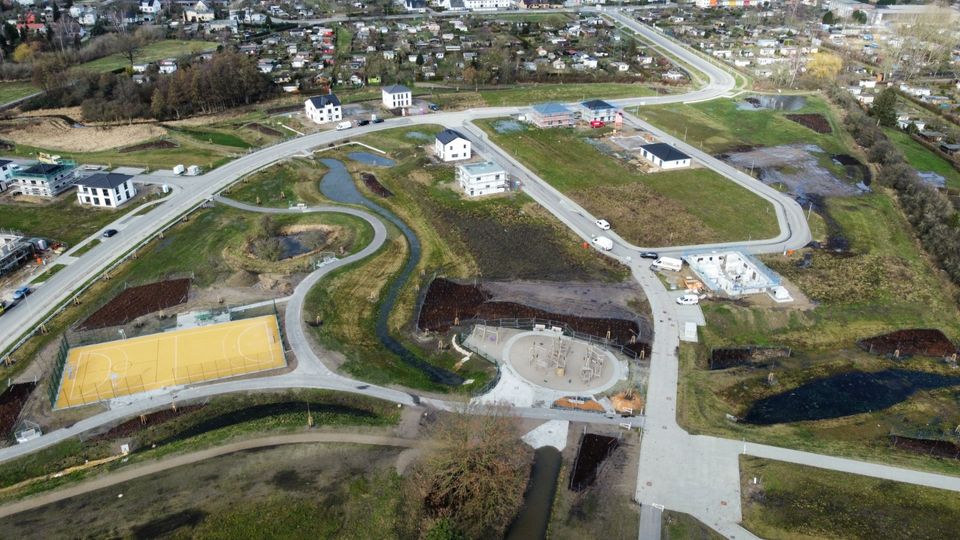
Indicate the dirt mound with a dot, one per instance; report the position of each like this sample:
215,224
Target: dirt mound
930,447
11,402
162,144
263,129
375,186
816,122
137,301
447,304
627,402
57,134
923,342
745,356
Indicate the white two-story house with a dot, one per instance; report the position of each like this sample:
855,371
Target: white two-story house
396,96
105,190
481,178
323,109
451,145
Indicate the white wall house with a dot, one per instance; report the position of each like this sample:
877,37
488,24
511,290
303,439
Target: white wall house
451,145
481,178
396,96
323,109
6,174
664,156
105,190
45,179
150,6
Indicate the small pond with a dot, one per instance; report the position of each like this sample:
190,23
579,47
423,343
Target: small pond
846,394
293,245
774,103
371,159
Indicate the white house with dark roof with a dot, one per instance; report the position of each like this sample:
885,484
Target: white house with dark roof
664,156
396,96
451,145
483,178
598,110
150,7
323,109
105,190
6,174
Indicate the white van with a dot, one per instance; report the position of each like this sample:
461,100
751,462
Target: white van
667,263
344,125
603,243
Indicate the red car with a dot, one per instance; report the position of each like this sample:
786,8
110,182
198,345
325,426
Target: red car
597,124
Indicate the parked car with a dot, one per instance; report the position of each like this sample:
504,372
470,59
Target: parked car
597,124
377,120
688,300
649,255
21,293
603,243
603,224
344,125
110,233
363,122
433,107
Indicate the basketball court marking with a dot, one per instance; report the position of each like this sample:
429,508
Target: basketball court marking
107,370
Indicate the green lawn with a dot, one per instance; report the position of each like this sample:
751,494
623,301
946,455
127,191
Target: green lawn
12,91
922,159
168,48
719,126
795,501
92,244
686,206
47,274
212,136
63,220
538,93
282,185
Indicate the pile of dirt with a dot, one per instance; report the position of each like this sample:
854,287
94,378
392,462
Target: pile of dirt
923,342
162,144
269,131
137,301
375,186
745,356
594,449
56,133
627,402
816,122
448,303
11,402
930,447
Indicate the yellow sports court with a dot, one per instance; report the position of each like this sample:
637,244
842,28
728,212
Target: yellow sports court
117,368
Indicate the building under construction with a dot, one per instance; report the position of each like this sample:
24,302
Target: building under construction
14,251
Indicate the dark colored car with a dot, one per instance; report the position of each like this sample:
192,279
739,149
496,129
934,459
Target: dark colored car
363,122
378,120
110,233
21,293
649,255
433,107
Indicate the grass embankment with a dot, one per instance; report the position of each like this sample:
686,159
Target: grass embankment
87,247
686,206
719,126
221,420
795,501
49,273
538,93
282,185
922,159
12,91
160,50
886,284
62,220
680,526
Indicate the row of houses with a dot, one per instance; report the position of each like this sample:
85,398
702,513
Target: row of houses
54,176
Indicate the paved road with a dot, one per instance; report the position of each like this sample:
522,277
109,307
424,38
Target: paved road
127,474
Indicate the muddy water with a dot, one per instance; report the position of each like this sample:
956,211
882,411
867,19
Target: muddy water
775,103
531,522
337,185
371,159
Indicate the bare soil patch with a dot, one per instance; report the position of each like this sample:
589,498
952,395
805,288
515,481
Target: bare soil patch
58,134
263,129
131,427
932,447
594,450
137,301
11,402
375,186
923,342
162,144
816,122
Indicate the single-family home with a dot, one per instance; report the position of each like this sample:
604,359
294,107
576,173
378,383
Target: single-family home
451,145
105,190
932,136
199,12
483,178
45,179
323,109
167,66
396,96
664,156
950,149
550,115
598,110
6,174
151,7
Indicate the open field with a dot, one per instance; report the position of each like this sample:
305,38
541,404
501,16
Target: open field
12,91
686,206
719,126
117,368
922,159
795,501
168,48
538,93
282,185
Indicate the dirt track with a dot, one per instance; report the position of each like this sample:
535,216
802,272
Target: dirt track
146,469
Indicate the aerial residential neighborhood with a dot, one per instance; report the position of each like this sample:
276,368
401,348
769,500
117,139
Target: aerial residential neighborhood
480,269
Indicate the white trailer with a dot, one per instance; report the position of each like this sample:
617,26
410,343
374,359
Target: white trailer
179,169
667,263
344,125
603,243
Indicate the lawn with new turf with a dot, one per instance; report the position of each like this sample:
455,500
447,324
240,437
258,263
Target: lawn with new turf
14,90
923,159
168,48
684,206
719,126
796,501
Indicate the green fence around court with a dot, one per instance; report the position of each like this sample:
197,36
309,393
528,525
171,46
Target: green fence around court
58,366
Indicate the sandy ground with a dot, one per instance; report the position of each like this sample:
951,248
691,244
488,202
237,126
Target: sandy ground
57,134
795,166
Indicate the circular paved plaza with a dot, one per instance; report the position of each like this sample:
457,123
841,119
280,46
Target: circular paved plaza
561,362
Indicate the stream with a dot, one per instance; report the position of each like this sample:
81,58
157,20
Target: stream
534,517
337,185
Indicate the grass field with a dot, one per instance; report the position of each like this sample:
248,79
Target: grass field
922,159
12,91
49,273
795,501
168,48
282,185
680,526
686,206
62,220
537,93
719,126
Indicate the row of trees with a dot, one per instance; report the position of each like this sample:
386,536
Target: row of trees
934,219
